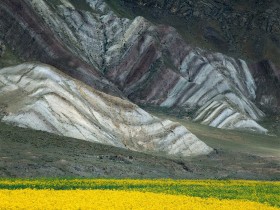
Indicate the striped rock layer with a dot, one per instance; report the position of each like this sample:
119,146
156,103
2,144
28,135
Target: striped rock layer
153,65
40,97
150,64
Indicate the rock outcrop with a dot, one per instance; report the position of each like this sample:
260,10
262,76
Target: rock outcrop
40,97
153,65
246,29
148,64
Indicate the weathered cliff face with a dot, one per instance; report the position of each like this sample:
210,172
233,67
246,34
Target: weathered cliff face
40,97
153,64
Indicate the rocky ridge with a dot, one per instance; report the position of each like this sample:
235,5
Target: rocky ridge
40,97
244,29
147,63
153,64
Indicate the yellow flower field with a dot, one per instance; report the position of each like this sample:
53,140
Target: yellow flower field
110,199
138,194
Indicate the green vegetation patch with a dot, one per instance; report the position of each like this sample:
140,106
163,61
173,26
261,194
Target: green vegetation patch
120,9
9,58
81,5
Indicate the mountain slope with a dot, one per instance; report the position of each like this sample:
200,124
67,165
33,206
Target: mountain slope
29,153
39,97
248,29
115,60
245,29
153,64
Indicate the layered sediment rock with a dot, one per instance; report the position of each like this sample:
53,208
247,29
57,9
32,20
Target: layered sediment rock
149,64
40,97
246,29
153,64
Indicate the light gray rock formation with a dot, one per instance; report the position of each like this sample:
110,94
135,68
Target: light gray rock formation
40,97
222,88
153,64
149,64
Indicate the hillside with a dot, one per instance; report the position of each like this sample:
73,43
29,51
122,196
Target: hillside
243,29
101,88
29,153
42,98
135,59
